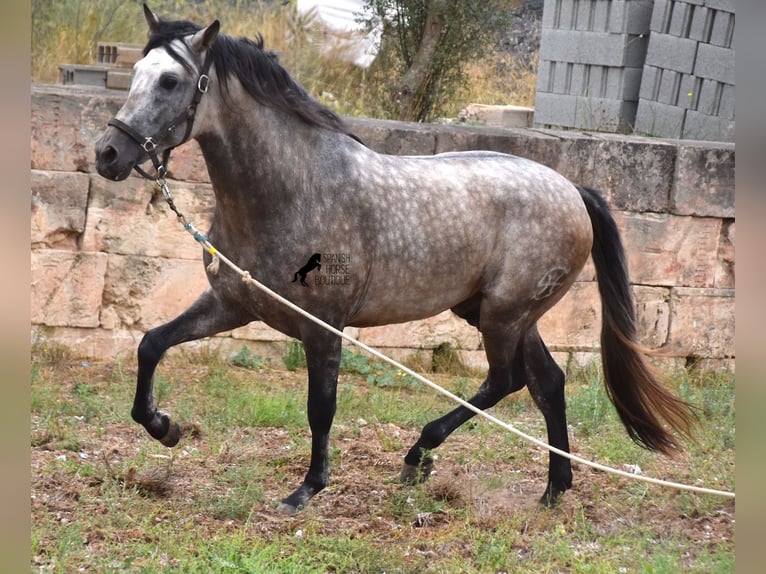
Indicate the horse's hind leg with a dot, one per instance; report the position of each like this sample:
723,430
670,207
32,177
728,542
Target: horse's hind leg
545,381
502,379
207,316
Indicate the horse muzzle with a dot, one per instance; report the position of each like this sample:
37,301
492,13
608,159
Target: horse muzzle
116,155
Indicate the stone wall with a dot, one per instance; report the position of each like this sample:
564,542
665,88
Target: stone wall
109,260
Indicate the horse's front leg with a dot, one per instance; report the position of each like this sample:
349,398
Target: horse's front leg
207,316
323,361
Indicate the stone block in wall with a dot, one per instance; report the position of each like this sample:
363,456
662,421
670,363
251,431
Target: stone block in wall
701,322
142,292
59,206
669,250
656,119
652,315
132,218
187,164
703,183
66,122
445,327
575,321
90,342
724,276
67,287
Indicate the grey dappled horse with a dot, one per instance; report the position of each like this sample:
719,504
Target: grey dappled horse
495,238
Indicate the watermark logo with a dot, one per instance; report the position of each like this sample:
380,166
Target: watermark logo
325,269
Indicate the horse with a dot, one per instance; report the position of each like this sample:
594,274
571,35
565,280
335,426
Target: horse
496,238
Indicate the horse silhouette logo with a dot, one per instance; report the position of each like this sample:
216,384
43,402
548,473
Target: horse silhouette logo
314,262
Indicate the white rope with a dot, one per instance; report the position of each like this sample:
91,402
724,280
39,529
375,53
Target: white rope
248,279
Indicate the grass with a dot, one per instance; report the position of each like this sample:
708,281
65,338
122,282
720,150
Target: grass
106,498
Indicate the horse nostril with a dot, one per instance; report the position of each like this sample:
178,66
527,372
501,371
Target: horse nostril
108,155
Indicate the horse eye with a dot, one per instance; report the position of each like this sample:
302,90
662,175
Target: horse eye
168,81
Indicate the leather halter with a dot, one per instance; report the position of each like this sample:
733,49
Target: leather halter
150,143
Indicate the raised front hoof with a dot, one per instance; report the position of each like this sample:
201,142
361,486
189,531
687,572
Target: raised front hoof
412,474
173,435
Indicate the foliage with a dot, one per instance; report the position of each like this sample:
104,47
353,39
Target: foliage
462,31
68,33
375,372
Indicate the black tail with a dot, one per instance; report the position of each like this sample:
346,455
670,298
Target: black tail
632,385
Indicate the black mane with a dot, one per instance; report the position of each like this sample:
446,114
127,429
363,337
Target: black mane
257,69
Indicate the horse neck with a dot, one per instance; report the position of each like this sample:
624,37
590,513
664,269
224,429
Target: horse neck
258,149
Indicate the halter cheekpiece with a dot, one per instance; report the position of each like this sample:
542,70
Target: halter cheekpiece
150,143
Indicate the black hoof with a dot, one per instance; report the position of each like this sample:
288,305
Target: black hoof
552,495
173,435
288,509
412,474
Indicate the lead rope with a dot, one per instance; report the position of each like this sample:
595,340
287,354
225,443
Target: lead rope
213,268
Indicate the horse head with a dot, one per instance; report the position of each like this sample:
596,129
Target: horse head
168,84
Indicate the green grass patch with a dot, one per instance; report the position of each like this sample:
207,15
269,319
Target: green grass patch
107,498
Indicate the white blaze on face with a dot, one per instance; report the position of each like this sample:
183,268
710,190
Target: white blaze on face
146,77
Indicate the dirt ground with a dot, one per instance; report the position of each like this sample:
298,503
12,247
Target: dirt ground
366,468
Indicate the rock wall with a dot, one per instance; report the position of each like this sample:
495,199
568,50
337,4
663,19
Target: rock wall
109,260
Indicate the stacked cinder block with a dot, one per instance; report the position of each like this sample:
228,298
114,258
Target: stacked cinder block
687,88
591,58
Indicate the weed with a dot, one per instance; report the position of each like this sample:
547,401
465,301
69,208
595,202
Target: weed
295,358
376,373
246,359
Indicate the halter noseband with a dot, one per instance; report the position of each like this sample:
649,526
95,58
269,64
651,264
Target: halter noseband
149,144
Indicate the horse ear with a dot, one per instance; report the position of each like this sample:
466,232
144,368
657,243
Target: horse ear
203,39
151,19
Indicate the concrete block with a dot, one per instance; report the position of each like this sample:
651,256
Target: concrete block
723,29
698,126
593,48
132,218
661,13
544,81
669,250
555,110
701,24
638,17
659,120
670,82
688,92
558,14
631,83
709,97
704,181
562,77
726,107
604,114
672,53
727,5
59,207
650,83
67,287
680,19
715,63
584,13
701,322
